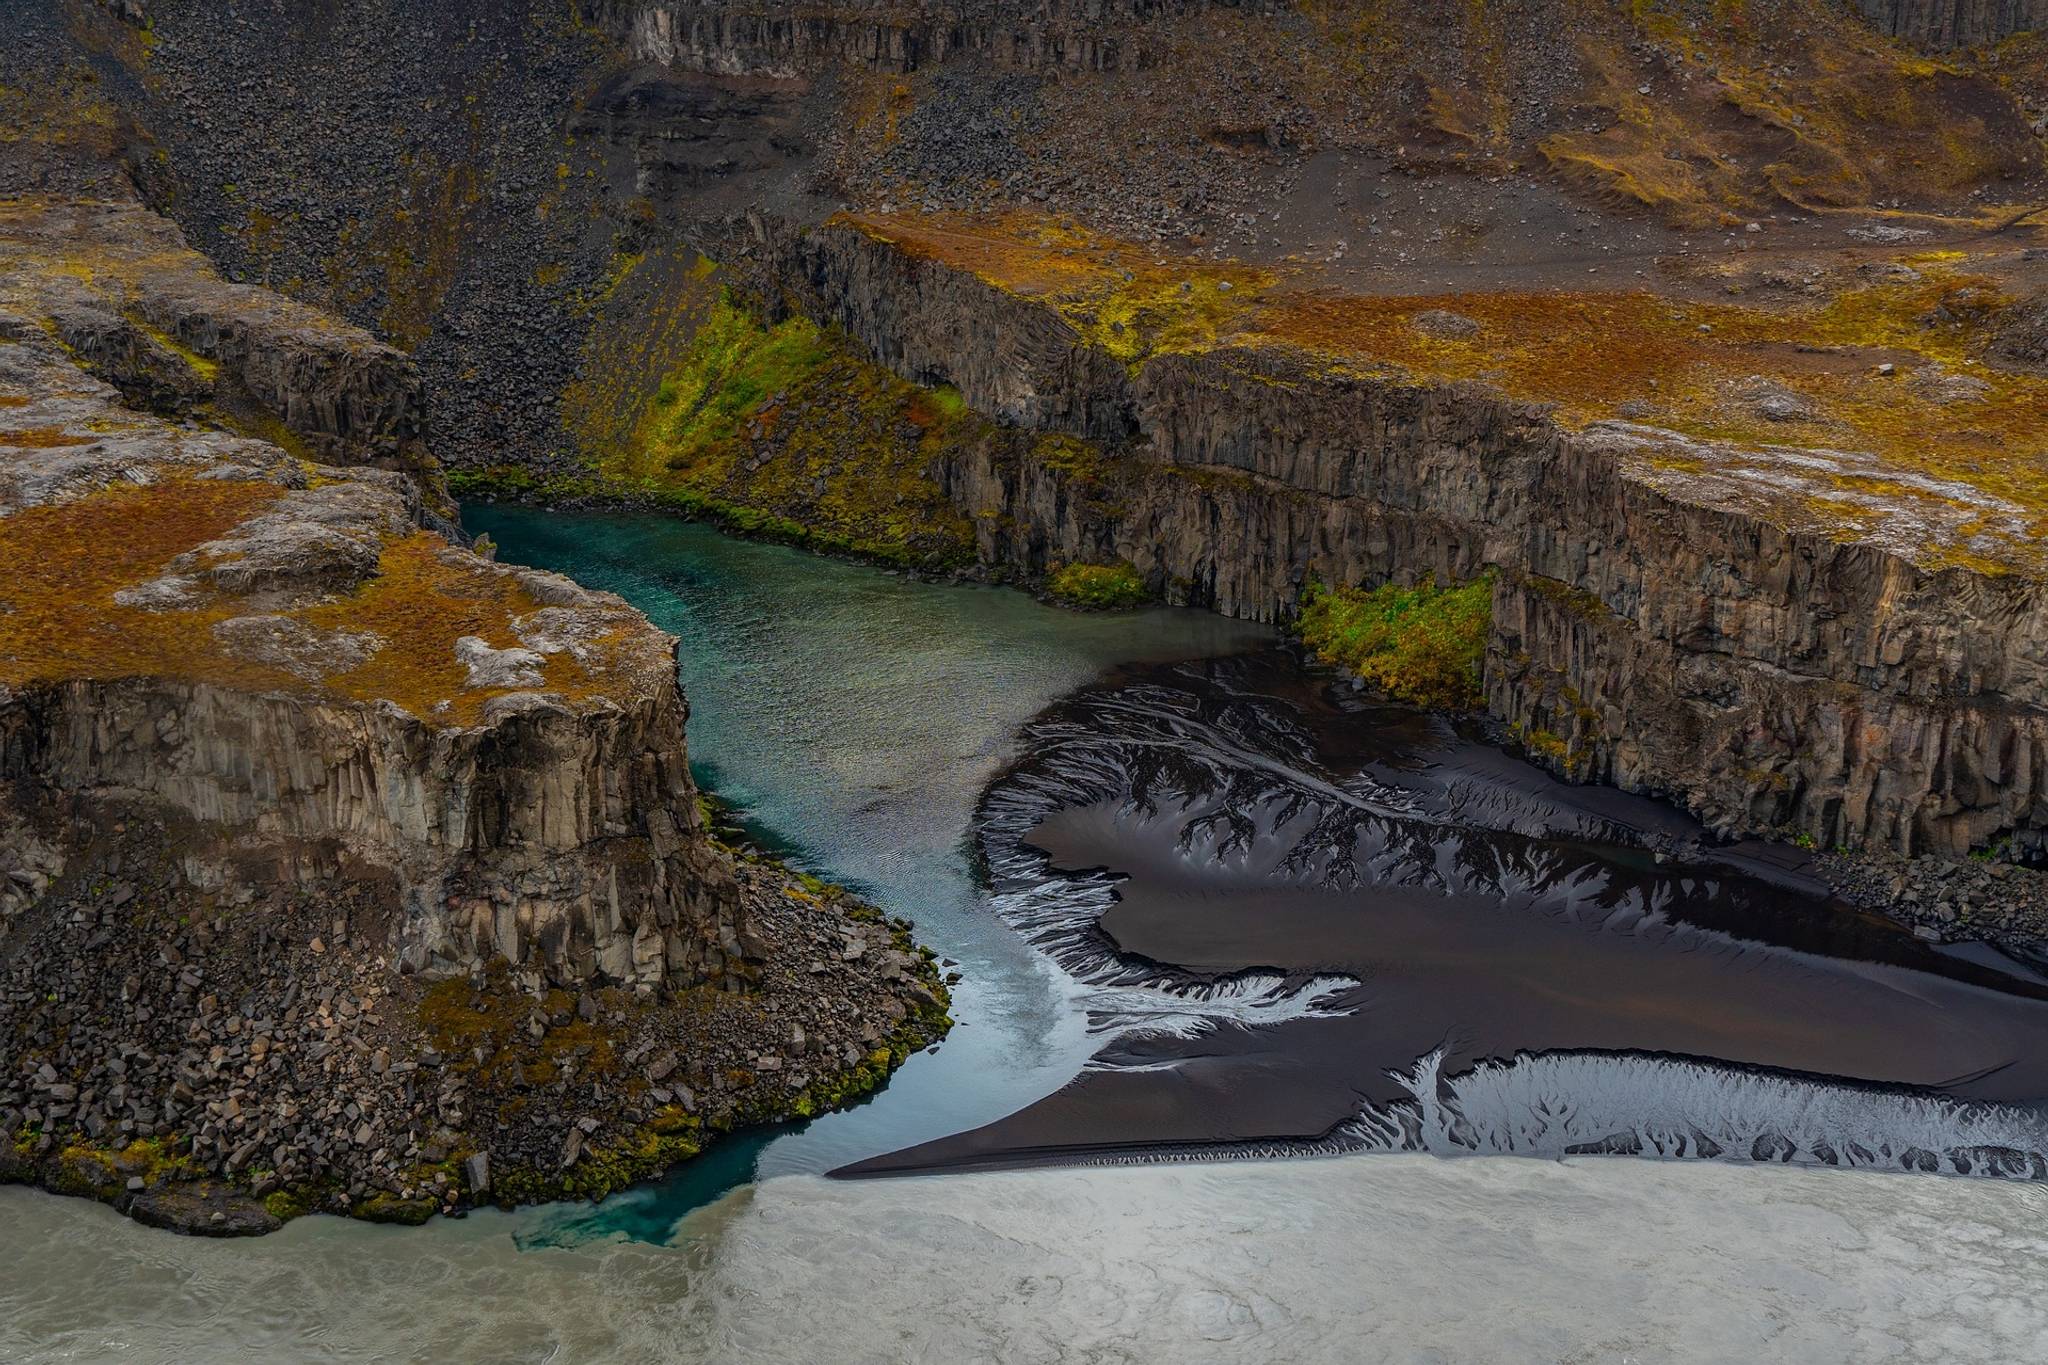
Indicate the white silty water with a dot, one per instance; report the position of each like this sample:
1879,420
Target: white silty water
1350,1259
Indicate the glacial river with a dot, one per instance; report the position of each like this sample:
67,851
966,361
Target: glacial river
1205,909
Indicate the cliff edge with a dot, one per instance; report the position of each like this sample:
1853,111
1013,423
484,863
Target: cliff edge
341,867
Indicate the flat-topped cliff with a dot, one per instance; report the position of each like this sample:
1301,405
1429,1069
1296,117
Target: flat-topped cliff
1778,559
315,822
282,649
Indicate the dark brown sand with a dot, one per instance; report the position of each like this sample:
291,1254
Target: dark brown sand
1486,923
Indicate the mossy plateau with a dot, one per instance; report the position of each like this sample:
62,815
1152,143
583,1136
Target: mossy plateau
1882,374
60,617
1422,644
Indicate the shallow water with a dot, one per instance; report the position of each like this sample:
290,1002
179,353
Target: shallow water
885,733
1347,1259
852,717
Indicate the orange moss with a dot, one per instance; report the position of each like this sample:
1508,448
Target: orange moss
43,438
1131,301
1685,366
424,598
58,617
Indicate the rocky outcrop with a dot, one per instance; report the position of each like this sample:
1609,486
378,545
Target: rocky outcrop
1944,24
1655,630
136,307
562,843
2022,338
222,1062
252,660
342,868
889,35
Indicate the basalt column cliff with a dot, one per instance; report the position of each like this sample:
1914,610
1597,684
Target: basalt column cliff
341,868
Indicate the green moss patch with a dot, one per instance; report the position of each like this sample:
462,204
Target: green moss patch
1098,587
1421,644
779,430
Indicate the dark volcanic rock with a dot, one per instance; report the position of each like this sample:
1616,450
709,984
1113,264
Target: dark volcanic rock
1946,24
1654,626
341,868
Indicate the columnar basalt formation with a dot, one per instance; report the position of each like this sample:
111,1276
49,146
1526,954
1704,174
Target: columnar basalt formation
746,39
1943,24
327,845
1675,614
280,650
115,285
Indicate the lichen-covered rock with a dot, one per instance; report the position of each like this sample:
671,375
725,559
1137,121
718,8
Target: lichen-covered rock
133,305
279,652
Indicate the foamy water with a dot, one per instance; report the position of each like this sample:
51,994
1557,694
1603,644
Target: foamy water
1354,1259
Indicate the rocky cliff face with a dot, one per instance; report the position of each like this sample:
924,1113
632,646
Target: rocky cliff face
745,39
1655,623
133,305
342,868
278,651
1944,24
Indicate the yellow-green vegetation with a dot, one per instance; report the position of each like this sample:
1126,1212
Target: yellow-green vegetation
1545,744
1825,115
641,327
1422,644
92,1170
1956,443
783,430
1098,587
206,369
1133,302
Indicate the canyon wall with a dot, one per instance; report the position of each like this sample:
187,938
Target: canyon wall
1646,631
893,36
279,658
1943,24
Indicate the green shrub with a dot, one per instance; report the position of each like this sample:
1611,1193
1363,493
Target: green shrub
1098,587
1422,644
